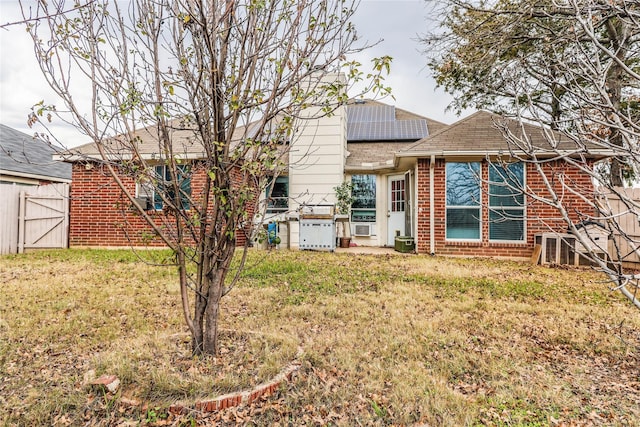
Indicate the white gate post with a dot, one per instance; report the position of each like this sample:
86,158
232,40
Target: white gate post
21,222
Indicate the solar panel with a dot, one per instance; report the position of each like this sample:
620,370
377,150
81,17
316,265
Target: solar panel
410,129
387,130
371,113
378,123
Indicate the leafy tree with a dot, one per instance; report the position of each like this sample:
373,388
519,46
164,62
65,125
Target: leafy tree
539,60
233,77
570,66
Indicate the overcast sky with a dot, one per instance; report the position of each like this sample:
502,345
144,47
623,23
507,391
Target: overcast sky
397,23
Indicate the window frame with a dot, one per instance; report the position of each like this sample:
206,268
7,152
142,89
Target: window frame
398,195
271,208
355,208
521,207
144,189
477,206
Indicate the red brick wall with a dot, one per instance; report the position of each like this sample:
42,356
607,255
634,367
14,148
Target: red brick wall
100,214
539,217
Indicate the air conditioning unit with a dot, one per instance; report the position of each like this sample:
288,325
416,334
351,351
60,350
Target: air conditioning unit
145,202
362,229
557,248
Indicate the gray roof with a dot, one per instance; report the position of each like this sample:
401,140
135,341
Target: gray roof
184,136
373,155
373,152
25,156
478,134
146,142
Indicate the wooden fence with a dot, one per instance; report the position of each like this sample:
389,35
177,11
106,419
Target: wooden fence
33,217
625,211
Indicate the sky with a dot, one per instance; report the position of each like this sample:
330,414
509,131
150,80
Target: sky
396,24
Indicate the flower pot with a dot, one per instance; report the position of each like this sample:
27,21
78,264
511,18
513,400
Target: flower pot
345,242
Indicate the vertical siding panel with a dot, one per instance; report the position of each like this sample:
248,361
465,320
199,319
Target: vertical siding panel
9,194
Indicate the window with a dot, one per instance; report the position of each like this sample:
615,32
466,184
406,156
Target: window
506,202
463,200
363,208
152,190
277,194
397,195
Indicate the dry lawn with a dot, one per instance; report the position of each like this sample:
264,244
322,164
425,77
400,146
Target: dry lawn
386,340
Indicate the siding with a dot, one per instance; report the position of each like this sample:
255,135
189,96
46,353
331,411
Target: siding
316,163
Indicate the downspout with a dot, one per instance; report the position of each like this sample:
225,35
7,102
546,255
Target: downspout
432,215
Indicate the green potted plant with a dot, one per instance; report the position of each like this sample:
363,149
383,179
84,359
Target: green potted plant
344,196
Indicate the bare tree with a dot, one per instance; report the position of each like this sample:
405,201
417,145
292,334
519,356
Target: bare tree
523,58
570,66
231,78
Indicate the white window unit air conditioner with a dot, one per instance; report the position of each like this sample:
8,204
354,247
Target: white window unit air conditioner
362,229
144,202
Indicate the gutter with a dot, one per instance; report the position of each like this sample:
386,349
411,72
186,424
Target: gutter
70,158
432,215
388,165
5,175
475,153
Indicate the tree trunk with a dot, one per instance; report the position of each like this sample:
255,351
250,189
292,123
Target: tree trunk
615,177
616,32
210,332
210,292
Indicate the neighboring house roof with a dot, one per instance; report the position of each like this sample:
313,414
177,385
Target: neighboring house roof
376,131
478,134
147,143
185,143
23,157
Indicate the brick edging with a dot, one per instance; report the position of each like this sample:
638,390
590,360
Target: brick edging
242,397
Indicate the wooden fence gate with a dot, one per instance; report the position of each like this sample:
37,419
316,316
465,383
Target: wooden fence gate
34,217
44,218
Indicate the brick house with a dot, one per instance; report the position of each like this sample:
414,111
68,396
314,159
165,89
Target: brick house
358,144
443,185
464,204
100,213
413,176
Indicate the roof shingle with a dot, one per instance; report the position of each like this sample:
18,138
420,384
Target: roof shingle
25,155
479,134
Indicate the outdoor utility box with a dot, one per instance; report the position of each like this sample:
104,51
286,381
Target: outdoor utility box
317,228
318,234
404,244
596,237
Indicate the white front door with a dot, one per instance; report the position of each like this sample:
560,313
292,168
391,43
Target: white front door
395,208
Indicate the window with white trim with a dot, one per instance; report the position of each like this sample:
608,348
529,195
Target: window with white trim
506,202
397,195
462,201
150,188
278,195
363,208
